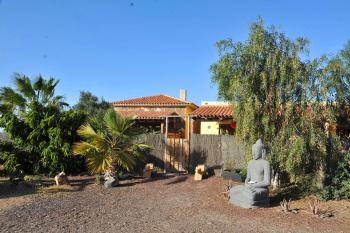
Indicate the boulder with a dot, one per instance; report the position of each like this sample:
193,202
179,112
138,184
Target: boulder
200,172
111,181
147,172
61,179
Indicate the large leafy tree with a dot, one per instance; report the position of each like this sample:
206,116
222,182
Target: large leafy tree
36,119
90,104
280,97
109,143
337,74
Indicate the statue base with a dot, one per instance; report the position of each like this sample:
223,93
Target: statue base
248,198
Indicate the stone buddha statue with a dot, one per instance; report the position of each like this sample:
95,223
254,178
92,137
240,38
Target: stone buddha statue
254,193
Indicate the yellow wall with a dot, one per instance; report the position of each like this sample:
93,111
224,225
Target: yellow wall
210,127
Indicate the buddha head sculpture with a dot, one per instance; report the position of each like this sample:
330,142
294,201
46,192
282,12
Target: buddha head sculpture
258,150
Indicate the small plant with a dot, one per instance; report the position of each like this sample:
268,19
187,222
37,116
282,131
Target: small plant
285,205
316,210
314,205
226,191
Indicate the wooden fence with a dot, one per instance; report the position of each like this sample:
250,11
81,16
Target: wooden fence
156,155
214,150
185,155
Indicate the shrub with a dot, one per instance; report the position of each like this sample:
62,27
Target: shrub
338,182
42,130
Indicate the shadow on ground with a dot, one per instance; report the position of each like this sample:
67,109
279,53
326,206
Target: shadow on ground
42,185
288,192
8,190
47,185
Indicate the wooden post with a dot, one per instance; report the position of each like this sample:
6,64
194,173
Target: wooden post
166,143
162,127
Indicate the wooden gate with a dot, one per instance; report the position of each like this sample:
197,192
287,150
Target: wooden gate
176,155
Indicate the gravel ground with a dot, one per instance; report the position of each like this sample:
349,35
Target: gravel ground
172,204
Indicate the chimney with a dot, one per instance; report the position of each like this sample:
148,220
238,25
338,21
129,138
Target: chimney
183,95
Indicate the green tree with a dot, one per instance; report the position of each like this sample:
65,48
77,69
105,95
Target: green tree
109,143
280,97
90,104
337,78
40,91
35,118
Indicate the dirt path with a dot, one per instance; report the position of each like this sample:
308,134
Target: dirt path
168,205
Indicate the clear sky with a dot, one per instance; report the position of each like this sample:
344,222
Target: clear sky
129,48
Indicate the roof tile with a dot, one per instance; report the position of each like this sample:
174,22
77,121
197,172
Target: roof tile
156,100
213,111
143,114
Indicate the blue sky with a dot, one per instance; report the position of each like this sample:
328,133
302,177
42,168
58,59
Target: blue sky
128,48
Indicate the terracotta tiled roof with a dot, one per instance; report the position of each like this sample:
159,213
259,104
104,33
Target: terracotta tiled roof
213,111
143,114
155,100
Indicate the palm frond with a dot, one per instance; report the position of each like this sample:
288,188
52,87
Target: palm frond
111,122
98,162
11,98
39,83
87,132
84,148
124,159
49,89
24,86
59,101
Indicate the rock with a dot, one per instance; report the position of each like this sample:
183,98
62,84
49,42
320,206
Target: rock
200,172
61,179
111,182
147,172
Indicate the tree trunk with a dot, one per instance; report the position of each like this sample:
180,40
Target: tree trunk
111,179
275,181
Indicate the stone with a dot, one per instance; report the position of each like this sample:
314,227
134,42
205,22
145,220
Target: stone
111,181
254,193
147,172
61,179
200,172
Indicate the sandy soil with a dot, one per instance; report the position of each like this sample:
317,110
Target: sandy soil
171,204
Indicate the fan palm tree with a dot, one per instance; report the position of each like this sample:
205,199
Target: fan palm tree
109,143
40,91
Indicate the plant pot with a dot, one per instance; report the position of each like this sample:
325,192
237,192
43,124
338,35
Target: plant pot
231,175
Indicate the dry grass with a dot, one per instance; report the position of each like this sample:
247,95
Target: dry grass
57,189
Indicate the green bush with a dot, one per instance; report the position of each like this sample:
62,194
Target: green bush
40,127
16,158
338,182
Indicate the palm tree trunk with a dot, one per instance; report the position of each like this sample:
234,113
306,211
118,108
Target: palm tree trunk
111,178
111,172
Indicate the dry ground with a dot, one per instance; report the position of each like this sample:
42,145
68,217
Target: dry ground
170,204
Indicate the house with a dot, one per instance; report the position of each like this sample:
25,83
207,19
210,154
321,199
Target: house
159,113
213,117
